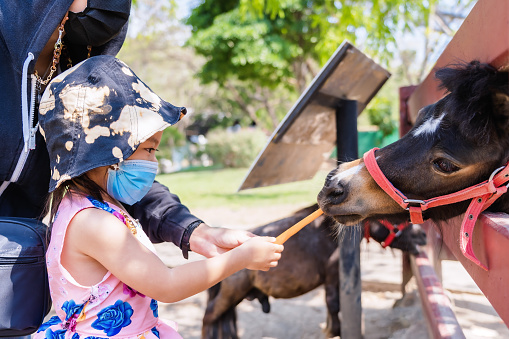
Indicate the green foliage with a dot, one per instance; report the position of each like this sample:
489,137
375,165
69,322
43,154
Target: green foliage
242,45
234,150
203,15
247,48
379,114
261,40
253,60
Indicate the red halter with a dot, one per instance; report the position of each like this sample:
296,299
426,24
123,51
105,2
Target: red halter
482,195
394,231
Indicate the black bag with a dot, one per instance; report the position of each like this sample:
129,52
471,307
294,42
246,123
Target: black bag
24,289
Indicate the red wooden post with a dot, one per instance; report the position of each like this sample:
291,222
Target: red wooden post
436,305
405,122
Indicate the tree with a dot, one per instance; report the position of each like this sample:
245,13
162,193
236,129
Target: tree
256,50
253,60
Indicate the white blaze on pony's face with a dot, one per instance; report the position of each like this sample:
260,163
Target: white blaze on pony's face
429,127
338,177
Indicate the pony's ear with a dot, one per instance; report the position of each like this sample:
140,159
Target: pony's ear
468,82
501,102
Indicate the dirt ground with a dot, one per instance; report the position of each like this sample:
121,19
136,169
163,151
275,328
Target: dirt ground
304,317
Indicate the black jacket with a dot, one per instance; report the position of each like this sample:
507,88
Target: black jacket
25,28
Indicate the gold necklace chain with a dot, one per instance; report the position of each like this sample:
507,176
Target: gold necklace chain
56,56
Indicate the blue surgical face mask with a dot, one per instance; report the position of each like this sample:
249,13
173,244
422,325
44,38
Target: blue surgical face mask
131,180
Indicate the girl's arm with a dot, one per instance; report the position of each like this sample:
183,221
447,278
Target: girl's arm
98,236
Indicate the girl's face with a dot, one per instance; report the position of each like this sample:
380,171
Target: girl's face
145,151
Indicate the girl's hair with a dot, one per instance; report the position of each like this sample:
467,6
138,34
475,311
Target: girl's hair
81,185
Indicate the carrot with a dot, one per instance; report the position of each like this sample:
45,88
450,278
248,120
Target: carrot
297,227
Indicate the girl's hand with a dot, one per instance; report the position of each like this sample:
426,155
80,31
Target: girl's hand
261,253
211,241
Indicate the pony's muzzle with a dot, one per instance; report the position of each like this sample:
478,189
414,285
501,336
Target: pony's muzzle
331,194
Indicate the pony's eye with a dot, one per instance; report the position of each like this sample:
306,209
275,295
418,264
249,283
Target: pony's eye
445,166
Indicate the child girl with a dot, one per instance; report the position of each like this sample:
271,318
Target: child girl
102,127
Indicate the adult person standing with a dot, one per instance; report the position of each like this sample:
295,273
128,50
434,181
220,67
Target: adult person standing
39,39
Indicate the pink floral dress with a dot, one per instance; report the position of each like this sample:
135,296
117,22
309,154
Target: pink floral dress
107,309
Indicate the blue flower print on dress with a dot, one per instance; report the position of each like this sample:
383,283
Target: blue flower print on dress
53,321
113,318
153,307
59,334
72,311
71,308
94,338
75,336
155,331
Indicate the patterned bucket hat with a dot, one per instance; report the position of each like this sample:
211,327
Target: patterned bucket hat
96,114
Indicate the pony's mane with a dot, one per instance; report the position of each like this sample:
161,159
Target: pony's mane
471,88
